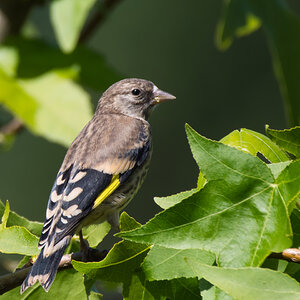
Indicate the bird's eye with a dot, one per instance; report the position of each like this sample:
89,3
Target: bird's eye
135,92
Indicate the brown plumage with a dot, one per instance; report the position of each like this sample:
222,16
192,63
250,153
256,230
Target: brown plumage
102,170
110,137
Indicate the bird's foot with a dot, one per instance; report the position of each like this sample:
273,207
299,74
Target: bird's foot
90,254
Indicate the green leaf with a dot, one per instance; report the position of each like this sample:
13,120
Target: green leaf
9,60
122,264
15,219
288,183
159,263
277,168
68,284
253,142
5,216
121,260
287,139
241,196
295,219
236,21
166,202
61,114
94,72
127,222
16,239
6,141
183,288
139,288
51,105
177,289
95,233
67,17
95,296
249,283
215,293
23,262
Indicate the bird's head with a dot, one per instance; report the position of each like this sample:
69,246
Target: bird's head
133,97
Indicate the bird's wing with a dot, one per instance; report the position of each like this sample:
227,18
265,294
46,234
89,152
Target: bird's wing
77,191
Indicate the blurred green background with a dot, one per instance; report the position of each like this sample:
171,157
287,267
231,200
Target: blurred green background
171,43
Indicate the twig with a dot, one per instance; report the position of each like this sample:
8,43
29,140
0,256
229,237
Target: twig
290,254
11,127
10,281
97,19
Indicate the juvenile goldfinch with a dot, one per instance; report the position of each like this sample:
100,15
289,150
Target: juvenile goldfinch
101,172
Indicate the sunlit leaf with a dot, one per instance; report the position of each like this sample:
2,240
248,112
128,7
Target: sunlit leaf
67,17
277,168
166,202
94,71
236,21
9,60
51,105
215,293
287,139
95,233
16,239
253,142
19,240
95,296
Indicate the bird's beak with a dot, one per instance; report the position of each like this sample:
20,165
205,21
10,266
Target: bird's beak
161,96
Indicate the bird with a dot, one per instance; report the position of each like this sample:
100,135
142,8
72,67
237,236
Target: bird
102,171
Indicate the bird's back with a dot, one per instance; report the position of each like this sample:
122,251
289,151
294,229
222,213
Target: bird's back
109,141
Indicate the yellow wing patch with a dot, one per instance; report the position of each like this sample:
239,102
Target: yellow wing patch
115,182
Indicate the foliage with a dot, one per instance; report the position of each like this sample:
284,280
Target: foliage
210,242
237,219
46,92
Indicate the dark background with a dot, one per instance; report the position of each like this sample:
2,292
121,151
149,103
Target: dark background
172,44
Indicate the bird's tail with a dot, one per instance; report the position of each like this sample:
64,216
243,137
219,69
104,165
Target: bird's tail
45,267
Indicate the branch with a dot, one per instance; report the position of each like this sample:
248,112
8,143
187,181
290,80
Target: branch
97,19
11,127
11,281
290,254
